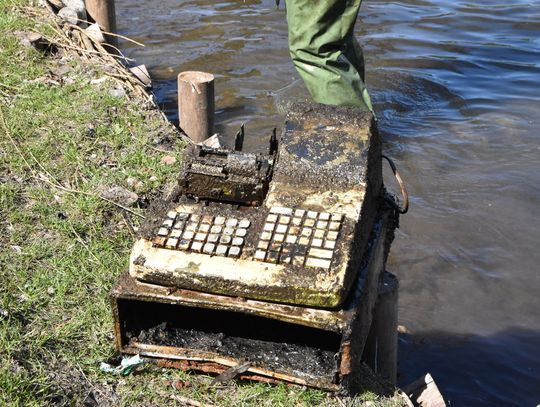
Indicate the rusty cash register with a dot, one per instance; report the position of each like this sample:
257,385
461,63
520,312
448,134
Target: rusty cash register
269,261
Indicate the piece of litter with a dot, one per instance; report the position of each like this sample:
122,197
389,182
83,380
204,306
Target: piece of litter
117,93
98,80
214,142
94,32
127,365
141,73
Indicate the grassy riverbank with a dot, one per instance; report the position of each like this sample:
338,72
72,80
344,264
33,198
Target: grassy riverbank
78,166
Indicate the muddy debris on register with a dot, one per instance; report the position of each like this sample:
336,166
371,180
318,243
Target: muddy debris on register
278,356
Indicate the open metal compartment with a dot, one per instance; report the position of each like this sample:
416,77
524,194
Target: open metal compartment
211,333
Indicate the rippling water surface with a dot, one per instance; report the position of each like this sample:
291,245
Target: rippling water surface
456,87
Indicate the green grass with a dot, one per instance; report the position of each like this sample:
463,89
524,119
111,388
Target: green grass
61,249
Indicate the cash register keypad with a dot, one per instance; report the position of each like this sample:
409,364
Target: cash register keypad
214,235
299,237
289,236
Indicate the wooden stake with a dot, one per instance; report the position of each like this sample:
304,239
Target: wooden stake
196,104
103,12
380,352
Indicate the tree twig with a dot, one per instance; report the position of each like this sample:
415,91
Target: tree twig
81,241
9,86
124,38
76,191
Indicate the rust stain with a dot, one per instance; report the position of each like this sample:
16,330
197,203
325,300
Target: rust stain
345,367
190,359
330,320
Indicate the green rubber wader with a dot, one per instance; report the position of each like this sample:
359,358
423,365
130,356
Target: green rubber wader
325,52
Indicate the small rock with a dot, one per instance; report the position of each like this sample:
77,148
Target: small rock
94,32
168,160
4,314
98,81
27,39
108,68
134,183
69,15
79,8
117,93
50,291
62,70
31,39
153,178
120,195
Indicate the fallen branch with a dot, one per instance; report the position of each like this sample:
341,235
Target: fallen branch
123,37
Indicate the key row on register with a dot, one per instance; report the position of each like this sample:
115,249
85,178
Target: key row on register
300,237
220,235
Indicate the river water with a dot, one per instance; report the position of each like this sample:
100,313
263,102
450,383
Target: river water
456,87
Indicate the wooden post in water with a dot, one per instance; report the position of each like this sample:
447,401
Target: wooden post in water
104,14
380,352
196,104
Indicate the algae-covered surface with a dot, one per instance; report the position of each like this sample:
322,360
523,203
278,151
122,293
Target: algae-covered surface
78,168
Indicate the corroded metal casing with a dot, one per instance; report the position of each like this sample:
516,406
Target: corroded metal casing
304,245
193,330
225,175
330,161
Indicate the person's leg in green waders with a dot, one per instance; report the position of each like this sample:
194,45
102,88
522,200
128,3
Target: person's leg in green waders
325,52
